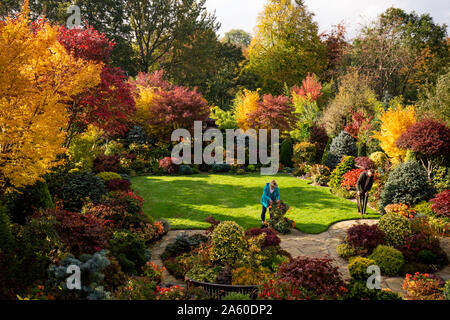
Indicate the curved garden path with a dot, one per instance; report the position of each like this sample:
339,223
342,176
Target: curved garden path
298,243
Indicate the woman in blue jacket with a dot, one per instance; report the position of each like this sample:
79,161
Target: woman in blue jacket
270,195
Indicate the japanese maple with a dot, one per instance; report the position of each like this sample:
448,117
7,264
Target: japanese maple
428,138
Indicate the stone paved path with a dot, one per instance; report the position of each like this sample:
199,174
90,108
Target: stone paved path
298,243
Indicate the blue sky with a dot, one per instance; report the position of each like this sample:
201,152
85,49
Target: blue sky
242,14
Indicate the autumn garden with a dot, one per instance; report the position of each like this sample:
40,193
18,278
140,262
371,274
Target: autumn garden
88,182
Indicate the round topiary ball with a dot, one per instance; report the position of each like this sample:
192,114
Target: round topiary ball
395,228
79,186
228,242
358,267
389,259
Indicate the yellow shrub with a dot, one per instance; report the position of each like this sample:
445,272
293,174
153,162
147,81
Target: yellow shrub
394,122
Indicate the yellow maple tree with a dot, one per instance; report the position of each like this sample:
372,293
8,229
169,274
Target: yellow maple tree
246,103
36,76
145,105
394,122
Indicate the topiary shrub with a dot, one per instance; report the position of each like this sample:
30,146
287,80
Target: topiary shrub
251,168
395,227
408,184
358,268
316,275
379,159
347,164
271,238
228,242
304,152
185,169
130,250
287,152
364,238
240,172
107,176
441,204
26,201
79,186
342,145
389,259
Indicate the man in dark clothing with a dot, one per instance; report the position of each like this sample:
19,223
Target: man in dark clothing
363,186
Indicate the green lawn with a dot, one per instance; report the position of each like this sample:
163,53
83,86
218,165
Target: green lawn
185,201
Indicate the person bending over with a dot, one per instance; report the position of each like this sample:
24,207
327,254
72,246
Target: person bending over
270,195
363,186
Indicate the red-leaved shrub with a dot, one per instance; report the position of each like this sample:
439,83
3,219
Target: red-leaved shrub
118,185
350,178
271,236
441,204
317,275
364,163
132,202
167,165
417,242
365,238
104,163
83,233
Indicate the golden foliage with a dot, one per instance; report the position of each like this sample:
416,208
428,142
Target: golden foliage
285,46
247,103
394,122
36,76
144,106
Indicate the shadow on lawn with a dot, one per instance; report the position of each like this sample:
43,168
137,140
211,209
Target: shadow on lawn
181,199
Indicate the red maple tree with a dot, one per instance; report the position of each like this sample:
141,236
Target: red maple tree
428,138
273,113
107,106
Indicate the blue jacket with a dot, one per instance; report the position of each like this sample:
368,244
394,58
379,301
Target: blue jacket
267,196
